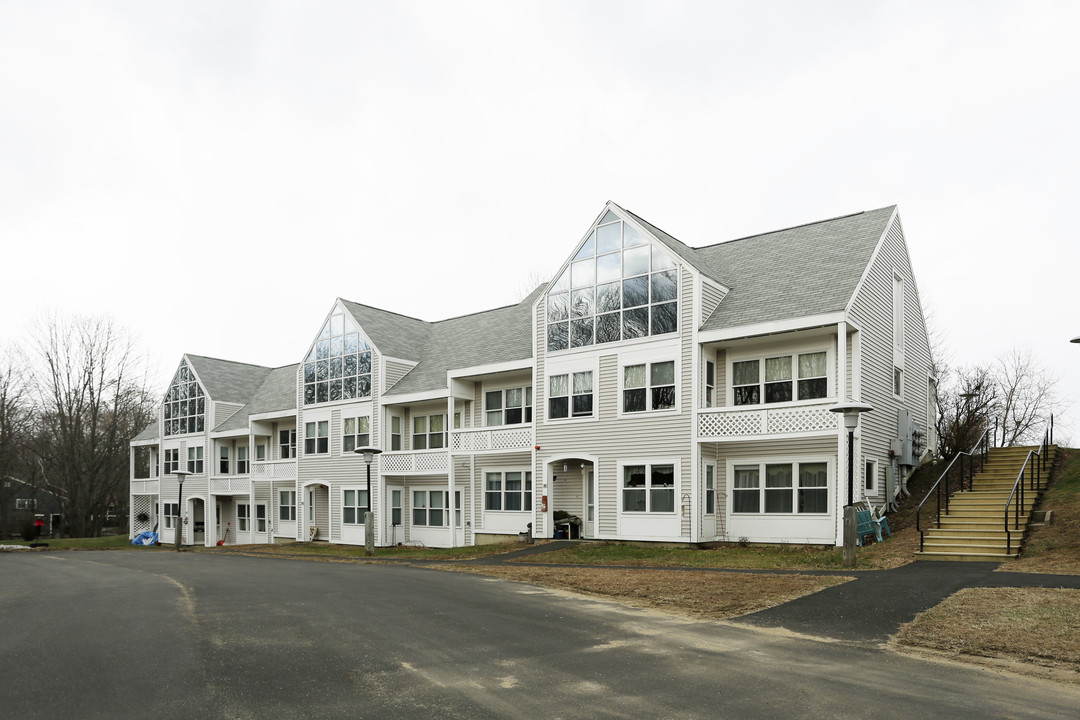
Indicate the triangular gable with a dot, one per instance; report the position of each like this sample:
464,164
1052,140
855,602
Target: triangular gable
338,363
184,405
621,282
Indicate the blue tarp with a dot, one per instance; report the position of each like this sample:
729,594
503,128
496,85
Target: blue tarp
146,538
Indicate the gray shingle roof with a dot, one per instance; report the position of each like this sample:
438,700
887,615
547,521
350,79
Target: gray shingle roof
797,272
150,433
277,393
493,336
227,381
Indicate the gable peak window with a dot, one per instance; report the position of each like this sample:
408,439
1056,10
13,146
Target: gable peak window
184,409
338,367
617,287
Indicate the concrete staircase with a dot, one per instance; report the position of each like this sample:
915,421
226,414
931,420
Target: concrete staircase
974,528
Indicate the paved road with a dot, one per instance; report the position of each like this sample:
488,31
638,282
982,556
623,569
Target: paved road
141,634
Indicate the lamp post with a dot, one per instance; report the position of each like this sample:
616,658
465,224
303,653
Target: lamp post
178,531
850,411
369,454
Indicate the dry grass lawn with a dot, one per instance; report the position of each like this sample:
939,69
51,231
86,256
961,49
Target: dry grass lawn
1055,548
1033,626
707,595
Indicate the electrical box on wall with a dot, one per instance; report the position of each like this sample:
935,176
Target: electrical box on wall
908,446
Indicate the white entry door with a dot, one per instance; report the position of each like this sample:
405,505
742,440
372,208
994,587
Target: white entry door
217,521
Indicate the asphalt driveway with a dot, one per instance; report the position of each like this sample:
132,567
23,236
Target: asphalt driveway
144,634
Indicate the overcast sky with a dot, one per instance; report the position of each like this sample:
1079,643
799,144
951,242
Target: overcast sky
213,174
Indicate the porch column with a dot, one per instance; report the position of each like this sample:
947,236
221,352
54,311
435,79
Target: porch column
450,466
842,394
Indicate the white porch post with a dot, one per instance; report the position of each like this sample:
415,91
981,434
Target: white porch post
839,498
450,464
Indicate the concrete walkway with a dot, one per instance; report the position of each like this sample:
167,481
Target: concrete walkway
867,610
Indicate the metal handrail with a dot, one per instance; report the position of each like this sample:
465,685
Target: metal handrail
982,447
1034,484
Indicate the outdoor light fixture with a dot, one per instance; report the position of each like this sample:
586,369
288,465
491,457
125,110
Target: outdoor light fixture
850,410
1076,339
369,454
178,531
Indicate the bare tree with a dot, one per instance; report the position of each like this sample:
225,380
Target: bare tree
91,400
967,406
15,417
1027,397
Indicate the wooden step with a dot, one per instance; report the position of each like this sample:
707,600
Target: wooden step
965,556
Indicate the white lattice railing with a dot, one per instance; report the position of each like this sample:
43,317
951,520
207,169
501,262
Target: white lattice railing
493,439
229,485
414,463
731,423
273,470
144,487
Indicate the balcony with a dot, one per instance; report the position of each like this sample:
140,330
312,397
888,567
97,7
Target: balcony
492,439
145,487
716,424
240,485
273,470
423,462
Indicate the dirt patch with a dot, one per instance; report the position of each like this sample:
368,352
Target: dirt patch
709,595
1029,626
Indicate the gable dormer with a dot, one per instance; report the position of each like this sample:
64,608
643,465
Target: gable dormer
338,364
184,407
620,284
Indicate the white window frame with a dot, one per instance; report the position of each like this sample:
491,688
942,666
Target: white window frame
899,310
195,459
260,452
573,392
317,436
649,464
243,516
709,481
171,514
649,388
360,435
358,508
795,462
170,461
224,460
504,409
427,508
523,495
428,433
25,504
395,440
872,465
242,465
260,517
287,444
709,398
287,505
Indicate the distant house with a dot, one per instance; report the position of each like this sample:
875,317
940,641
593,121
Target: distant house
652,391
22,502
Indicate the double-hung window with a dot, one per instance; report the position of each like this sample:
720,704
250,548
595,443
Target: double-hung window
648,488
287,505
170,461
195,459
354,505
357,433
260,518
511,406
782,378
241,460
317,437
570,395
429,432
510,490
287,444
243,517
395,432
223,463
649,386
710,383
710,490
172,514
781,488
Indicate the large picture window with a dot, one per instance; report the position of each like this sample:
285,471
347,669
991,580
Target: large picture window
778,379
649,386
788,488
648,488
618,287
339,364
429,508
184,408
